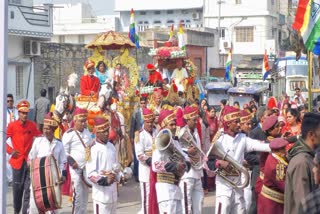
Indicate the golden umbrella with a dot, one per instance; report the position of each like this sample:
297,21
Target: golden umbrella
110,40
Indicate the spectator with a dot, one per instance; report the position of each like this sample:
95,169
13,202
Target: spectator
311,204
42,107
299,179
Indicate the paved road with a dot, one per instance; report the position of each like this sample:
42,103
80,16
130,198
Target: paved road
129,201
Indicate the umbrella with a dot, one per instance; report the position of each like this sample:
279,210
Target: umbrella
110,40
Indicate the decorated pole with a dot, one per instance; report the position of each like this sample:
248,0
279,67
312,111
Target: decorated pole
309,81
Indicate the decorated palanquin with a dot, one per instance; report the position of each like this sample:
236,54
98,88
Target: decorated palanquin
171,56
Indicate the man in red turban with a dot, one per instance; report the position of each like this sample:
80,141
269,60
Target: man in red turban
154,76
233,143
89,84
143,147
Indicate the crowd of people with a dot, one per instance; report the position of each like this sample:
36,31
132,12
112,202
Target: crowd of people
268,159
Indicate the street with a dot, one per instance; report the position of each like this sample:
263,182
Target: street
129,200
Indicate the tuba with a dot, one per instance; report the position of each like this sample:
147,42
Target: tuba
164,144
186,140
236,168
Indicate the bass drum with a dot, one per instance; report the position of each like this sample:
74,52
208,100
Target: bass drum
45,179
85,179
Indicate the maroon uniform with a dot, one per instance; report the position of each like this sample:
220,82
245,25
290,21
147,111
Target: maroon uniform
271,197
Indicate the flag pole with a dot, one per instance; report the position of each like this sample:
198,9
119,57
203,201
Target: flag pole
309,81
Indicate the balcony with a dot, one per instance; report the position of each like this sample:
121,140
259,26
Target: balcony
30,21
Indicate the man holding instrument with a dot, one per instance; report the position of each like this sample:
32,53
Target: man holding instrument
230,199
45,146
77,143
21,132
99,169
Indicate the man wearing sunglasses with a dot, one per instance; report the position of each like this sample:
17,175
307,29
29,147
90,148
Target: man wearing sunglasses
12,115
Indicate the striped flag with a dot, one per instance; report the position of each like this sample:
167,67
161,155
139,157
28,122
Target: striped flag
307,22
132,30
265,66
181,42
229,66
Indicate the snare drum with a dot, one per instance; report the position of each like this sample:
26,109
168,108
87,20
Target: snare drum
45,178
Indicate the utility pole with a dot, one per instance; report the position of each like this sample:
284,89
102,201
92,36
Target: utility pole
3,95
219,30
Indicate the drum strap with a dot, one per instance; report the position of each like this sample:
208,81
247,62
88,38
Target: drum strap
87,148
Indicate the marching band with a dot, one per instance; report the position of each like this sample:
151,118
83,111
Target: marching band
171,162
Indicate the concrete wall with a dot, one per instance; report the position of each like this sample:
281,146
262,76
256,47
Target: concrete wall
16,58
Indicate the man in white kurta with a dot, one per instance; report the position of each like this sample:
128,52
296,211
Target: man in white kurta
45,146
76,141
143,148
191,185
235,144
179,75
99,170
169,171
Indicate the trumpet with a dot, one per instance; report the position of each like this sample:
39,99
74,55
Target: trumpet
186,140
164,143
235,168
125,174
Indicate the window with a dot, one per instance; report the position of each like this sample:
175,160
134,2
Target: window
157,12
157,22
198,63
142,13
170,12
272,2
238,1
11,14
244,34
142,26
19,82
81,39
222,32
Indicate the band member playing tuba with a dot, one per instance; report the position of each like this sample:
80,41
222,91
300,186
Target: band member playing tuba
169,162
44,146
191,185
229,199
99,169
77,143
143,148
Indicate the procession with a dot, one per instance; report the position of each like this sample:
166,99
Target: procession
233,139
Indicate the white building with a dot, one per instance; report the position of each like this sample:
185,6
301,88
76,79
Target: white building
77,24
160,14
27,26
247,26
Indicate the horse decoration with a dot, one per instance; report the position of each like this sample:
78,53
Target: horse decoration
65,103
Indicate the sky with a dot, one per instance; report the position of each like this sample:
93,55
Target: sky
100,7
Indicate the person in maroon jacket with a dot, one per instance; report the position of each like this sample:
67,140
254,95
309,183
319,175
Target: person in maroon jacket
271,197
89,84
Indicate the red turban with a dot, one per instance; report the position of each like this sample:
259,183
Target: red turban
101,124
151,67
80,114
23,106
245,116
148,115
49,120
230,113
190,112
89,64
165,117
269,122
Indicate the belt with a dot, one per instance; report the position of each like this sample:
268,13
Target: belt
168,178
272,194
148,153
261,175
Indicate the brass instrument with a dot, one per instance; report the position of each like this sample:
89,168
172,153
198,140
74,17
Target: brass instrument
235,168
164,143
186,140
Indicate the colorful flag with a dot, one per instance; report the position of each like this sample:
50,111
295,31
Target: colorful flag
265,66
181,42
229,66
132,30
307,22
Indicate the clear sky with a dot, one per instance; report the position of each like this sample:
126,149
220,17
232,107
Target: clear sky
100,7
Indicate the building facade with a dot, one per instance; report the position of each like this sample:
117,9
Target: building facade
77,23
248,27
28,26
